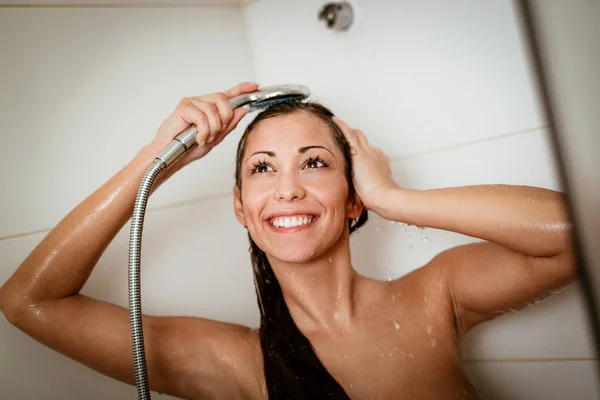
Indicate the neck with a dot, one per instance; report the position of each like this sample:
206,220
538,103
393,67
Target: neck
320,293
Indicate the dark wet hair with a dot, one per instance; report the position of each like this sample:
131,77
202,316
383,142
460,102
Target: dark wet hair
292,369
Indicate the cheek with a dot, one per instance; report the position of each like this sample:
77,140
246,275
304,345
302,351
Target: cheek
331,190
253,197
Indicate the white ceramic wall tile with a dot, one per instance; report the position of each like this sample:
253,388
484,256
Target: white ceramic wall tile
417,75
557,327
84,89
560,380
554,328
522,159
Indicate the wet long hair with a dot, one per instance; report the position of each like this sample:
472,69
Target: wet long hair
292,369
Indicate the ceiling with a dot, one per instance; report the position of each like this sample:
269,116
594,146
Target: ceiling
120,3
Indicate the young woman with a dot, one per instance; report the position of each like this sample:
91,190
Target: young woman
304,182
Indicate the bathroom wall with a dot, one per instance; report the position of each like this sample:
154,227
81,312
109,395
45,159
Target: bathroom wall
444,89
81,91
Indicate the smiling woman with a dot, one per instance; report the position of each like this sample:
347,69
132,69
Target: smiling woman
293,222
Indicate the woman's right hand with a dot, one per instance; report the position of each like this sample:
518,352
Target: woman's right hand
213,116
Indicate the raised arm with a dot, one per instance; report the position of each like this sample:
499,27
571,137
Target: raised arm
185,356
527,251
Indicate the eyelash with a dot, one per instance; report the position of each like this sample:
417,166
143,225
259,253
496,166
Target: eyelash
311,159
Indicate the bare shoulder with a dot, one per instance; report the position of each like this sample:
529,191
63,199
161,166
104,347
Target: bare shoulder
428,280
427,288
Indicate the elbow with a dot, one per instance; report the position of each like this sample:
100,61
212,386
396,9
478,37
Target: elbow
568,256
558,271
571,266
11,306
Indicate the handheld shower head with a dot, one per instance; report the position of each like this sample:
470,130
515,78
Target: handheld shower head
259,100
267,96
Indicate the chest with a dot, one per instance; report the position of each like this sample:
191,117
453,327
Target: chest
389,355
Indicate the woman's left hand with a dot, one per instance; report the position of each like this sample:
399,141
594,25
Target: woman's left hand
372,171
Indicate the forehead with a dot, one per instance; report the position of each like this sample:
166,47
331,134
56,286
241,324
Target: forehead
292,130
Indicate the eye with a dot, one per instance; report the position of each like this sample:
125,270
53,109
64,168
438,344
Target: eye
316,162
261,167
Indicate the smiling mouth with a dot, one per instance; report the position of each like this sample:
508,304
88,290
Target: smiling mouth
292,223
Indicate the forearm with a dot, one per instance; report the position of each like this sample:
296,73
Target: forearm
61,263
529,220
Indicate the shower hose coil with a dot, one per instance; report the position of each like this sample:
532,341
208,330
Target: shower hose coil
135,304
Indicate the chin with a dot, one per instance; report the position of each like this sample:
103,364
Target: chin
294,254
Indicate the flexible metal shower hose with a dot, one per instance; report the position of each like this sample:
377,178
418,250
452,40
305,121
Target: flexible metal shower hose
135,302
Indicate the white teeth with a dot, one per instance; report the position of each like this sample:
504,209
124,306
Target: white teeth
288,222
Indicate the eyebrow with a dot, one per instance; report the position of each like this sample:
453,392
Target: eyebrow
301,150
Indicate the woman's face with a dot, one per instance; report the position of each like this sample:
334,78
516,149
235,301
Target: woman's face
294,190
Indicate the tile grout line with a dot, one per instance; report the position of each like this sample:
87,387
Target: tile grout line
528,360
148,210
249,2
223,195
465,144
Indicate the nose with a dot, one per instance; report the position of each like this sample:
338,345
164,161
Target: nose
288,187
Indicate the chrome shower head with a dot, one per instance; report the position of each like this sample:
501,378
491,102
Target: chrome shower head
267,96
258,100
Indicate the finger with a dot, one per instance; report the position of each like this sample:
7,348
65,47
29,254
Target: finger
348,133
212,114
238,114
245,87
193,115
198,152
225,109
223,105
362,139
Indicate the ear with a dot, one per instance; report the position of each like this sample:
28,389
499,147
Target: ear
237,206
354,207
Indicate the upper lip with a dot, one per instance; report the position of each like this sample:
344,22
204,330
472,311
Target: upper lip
290,213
